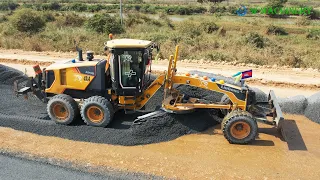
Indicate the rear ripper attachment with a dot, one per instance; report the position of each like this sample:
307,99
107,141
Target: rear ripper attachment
35,85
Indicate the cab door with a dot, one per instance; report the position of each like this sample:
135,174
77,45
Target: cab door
147,69
127,70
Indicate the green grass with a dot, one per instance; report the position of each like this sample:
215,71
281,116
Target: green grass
195,43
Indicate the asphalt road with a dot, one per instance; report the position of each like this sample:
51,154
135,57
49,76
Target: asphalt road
20,169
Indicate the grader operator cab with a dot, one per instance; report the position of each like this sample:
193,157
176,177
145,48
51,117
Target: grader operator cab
97,88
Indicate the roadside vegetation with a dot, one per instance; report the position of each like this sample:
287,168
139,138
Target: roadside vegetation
151,7
207,35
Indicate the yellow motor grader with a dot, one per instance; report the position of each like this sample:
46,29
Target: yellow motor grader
97,88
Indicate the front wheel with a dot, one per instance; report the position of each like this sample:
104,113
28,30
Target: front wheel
239,127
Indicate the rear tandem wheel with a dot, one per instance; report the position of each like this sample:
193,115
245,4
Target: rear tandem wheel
97,111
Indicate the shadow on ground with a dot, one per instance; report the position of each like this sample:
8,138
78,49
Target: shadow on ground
290,134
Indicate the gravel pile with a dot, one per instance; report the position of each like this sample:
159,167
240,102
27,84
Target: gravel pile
200,93
155,102
260,95
312,110
31,116
293,105
172,125
8,75
12,105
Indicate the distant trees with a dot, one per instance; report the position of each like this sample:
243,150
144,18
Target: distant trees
104,23
27,20
276,3
5,6
213,1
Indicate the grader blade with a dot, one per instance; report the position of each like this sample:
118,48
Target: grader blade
270,108
276,110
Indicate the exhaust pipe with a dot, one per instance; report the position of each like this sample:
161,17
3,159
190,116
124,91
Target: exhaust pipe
80,55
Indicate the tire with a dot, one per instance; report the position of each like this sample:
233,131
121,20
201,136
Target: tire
239,127
225,100
97,111
225,119
63,109
215,114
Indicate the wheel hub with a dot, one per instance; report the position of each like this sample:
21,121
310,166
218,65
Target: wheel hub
95,114
239,127
240,130
60,111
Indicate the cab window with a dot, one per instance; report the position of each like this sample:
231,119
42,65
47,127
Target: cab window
130,62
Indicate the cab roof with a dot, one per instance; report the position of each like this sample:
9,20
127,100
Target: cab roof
128,43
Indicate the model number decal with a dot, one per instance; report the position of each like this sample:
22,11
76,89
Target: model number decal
86,78
78,77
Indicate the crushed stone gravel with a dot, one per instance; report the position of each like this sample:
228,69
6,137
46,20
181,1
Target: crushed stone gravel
312,110
293,105
31,116
260,95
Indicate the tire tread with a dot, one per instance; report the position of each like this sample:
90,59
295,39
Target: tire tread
101,101
233,116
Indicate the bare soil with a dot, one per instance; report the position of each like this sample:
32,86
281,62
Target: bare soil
205,155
